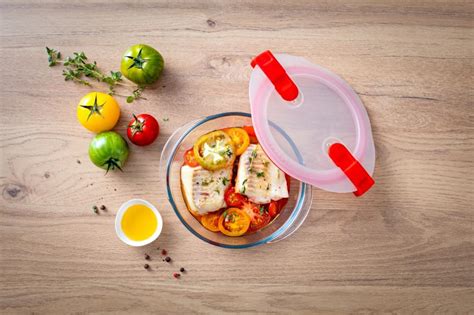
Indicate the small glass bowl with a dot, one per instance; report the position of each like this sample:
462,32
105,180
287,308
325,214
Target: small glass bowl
291,217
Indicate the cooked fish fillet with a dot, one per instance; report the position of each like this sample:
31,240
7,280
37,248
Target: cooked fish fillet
203,190
258,178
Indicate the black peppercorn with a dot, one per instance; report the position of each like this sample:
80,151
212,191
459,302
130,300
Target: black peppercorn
102,207
146,266
168,259
147,257
182,269
96,210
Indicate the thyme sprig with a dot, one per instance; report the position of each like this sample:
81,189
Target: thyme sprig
77,68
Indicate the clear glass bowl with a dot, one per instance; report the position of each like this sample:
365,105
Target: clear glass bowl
290,218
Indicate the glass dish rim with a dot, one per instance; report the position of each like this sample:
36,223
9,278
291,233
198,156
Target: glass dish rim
265,240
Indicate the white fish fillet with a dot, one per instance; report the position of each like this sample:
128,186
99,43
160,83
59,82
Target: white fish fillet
203,190
258,178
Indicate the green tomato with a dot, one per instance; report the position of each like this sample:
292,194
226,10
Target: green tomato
142,64
108,150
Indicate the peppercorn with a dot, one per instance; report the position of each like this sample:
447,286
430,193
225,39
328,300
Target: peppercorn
102,207
147,257
168,259
163,252
176,275
146,266
182,269
96,210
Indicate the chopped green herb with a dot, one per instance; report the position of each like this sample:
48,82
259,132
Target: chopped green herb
254,153
243,186
262,209
266,163
260,174
228,152
225,181
217,190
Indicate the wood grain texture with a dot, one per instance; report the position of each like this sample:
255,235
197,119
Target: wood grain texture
405,247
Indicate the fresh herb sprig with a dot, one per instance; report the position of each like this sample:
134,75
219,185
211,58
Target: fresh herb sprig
77,68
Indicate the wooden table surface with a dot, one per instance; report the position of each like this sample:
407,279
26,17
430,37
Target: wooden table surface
406,246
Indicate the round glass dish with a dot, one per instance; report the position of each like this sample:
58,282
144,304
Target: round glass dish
290,218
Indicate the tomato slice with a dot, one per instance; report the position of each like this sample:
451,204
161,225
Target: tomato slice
189,158
251,132
214,150
233,222
211,221
273,209
258,214
233,198
239,137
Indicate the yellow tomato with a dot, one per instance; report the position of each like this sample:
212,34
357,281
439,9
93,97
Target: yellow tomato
98,112
234,222
211,221
239,137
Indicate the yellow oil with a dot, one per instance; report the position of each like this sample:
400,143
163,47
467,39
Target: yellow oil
139,222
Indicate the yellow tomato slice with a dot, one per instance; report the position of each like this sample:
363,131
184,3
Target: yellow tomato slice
234,222
214,150
211,221
240,138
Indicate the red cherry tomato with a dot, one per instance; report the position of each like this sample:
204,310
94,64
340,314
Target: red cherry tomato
190,159
258,214
251,132
143,129
233,198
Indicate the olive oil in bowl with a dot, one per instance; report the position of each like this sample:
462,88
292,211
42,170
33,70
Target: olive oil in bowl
138,222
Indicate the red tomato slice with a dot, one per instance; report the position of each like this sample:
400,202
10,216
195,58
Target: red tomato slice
251,132
258,214
189,158
233,198
273,209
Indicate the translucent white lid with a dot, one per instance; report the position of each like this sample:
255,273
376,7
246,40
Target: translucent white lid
297,134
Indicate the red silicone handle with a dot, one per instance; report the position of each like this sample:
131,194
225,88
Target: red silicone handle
276,74
351,167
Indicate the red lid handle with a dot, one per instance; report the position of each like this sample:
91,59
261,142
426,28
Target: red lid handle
356,173
276,74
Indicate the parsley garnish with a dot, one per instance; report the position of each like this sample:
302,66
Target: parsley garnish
225,180
260,174
262,209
